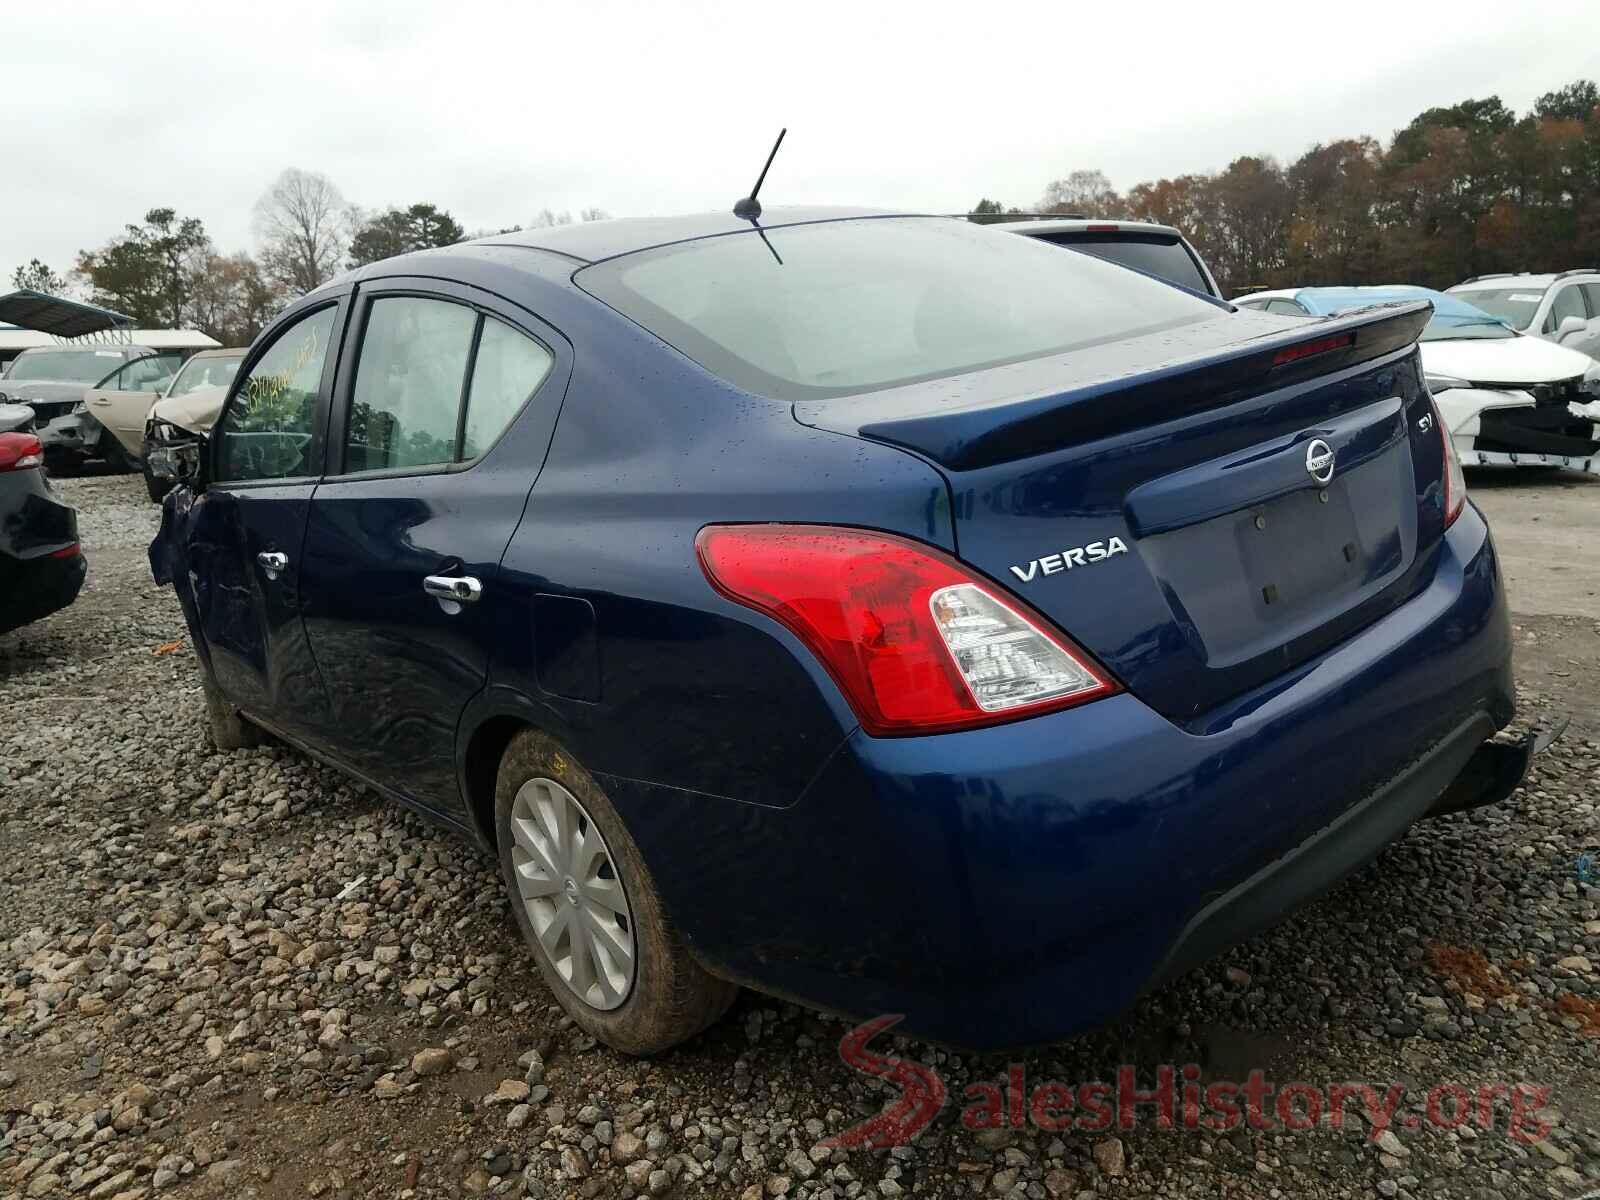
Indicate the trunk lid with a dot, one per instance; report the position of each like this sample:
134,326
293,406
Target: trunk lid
1159,498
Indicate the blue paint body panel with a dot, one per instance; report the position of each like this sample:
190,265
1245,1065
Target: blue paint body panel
1017,884
1002,885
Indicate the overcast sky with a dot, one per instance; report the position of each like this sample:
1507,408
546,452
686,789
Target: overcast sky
497,111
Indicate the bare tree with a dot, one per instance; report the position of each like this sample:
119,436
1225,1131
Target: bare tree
1088,193
302,223
595,214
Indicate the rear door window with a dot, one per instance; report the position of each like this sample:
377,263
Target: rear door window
409,384
1163,257
437,383
148,374
509,368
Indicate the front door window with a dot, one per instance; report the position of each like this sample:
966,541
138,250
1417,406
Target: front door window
269,428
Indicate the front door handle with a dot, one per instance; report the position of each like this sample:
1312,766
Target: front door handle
272,562
452,591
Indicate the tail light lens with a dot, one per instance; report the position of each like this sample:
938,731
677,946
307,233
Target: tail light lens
19,451
915,641
1455,483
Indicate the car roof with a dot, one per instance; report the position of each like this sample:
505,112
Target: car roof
1504,281
135,350
1030,228
1328,301
1325,301
592,241
225,352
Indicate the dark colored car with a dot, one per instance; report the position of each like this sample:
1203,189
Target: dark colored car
41,561
1158,250
886,612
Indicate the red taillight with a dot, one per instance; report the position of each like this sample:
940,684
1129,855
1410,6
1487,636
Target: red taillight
72,551
19,451
1455,483
915,641
1307,349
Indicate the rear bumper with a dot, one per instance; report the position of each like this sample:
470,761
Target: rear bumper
42,567
38,587
1354,839
1017,884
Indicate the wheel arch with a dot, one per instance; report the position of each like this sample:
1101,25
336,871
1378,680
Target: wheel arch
493,718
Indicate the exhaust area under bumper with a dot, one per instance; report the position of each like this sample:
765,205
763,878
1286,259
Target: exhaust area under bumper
1494,771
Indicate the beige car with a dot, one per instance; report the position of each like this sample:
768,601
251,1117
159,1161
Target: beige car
191,407
122,403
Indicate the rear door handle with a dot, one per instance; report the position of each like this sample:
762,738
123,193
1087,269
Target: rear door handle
272,562
102,401
458,589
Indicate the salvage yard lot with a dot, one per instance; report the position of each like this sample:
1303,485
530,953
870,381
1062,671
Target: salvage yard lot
216,970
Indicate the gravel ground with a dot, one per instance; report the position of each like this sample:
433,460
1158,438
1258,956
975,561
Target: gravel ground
241,975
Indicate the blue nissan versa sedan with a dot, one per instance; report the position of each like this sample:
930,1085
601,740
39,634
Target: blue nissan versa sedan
886,612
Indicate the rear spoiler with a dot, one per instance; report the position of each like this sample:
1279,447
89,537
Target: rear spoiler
1006,413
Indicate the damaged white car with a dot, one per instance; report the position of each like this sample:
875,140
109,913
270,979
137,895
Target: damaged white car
173,432
175,423
1509,400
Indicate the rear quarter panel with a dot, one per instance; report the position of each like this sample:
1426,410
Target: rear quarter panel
610,633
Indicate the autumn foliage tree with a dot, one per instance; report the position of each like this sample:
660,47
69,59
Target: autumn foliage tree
1464,189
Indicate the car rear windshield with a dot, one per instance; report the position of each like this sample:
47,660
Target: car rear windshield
806,312
1515,306
65,366
1155,254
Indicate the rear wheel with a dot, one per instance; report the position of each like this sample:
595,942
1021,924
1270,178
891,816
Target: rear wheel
587,906
229,730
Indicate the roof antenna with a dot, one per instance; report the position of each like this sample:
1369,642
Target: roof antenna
749,208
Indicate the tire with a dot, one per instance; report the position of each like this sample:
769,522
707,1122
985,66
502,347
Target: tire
229,730
157,488
112,452
670,997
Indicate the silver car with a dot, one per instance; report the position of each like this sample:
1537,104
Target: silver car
52,381
1563,308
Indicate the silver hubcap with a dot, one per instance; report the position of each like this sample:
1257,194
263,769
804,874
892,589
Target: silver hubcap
571,893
